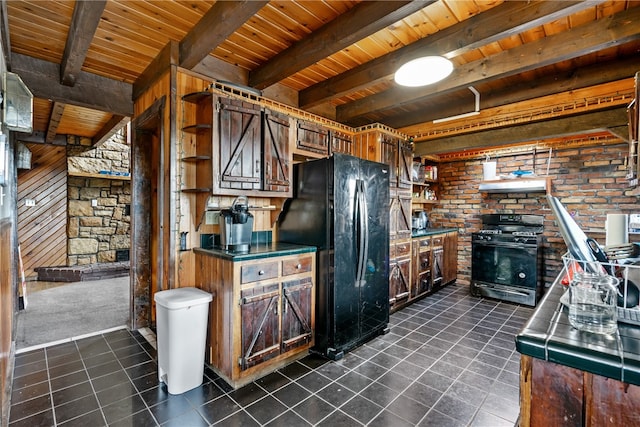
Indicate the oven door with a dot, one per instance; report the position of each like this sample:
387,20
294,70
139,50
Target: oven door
504,263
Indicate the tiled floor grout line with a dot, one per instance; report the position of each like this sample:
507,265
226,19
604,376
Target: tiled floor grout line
450,316
132,383
457,342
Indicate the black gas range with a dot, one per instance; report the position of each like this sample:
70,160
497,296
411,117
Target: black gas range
507,258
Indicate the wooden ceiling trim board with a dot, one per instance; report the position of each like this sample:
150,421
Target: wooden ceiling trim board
84,22
110,128
592,75
356,24
90,90
610,31
480,30
563,126
215,26
54,121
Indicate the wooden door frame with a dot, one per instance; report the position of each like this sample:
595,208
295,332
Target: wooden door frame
147,134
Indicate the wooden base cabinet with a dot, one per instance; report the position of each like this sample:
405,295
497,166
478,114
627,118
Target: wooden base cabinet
262,314
557,395
420,266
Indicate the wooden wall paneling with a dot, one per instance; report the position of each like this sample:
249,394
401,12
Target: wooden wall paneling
187,178
6,313
42,229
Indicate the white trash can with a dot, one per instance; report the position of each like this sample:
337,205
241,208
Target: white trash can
181,332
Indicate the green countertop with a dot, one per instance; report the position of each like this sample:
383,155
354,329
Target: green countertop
259,250
549,336
431,231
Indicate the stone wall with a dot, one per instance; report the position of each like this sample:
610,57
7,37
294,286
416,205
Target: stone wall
98,208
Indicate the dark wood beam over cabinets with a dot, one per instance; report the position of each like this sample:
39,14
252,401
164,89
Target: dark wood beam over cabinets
109,129
90,91
222,20
358,23
611,31
592,75
86,16
564,126
54,121
500,22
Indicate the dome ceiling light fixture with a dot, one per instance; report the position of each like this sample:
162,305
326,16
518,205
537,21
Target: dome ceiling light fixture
423,71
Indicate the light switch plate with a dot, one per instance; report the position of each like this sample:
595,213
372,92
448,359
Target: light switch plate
29,202
211,218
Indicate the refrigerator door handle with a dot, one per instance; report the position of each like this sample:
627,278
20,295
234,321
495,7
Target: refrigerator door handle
363,231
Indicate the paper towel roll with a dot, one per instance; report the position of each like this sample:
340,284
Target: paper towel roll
617,228
489,171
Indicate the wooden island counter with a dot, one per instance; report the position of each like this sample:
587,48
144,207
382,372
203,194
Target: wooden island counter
262,313
575,378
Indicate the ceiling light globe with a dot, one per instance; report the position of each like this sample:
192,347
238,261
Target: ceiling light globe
423,71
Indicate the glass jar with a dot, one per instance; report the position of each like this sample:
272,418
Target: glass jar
593,303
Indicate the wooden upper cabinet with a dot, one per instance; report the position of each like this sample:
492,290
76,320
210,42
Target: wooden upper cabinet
251,149
237,141
398,154
276,152
312,139
342,143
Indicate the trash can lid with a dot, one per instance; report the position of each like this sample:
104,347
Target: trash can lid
182,298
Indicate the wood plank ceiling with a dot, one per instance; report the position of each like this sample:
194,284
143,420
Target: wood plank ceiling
568,63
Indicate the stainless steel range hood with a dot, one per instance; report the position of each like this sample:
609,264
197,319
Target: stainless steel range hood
515,185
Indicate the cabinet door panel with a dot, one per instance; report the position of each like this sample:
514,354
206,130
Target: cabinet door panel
296,313
238,144
389,154
438,266
405,164
342,143
312,137
277,172
399,276
450,257
260,324
421,268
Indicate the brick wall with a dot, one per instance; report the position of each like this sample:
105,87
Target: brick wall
98,208
589,181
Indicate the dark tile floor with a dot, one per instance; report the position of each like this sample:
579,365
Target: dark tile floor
449,360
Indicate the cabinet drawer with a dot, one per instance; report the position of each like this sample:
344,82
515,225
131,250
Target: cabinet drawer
296,265
262,271
425,243
436,241
403,249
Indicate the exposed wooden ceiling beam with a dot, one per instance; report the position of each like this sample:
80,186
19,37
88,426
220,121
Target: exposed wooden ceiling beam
84,23
90,90
497,23
606,32
571,125
222,20
39,137
593,75
109,129
358,23
54,121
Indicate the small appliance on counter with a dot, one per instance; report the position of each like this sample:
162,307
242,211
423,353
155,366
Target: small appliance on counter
419,220
236,226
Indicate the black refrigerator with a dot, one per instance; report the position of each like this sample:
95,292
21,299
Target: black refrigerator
341,206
